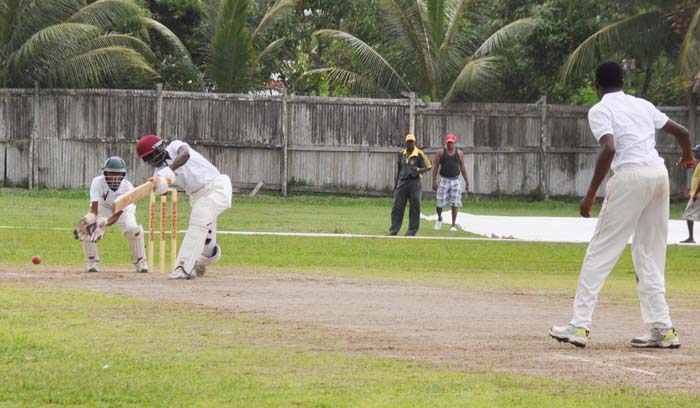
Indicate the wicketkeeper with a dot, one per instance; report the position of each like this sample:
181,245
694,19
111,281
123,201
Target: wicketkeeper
210,194
104,190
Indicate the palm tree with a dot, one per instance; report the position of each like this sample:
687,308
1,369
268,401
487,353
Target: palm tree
428,49
644,37
74,43
235,49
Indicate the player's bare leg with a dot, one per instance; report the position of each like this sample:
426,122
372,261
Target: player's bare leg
455,210
690,239
438,224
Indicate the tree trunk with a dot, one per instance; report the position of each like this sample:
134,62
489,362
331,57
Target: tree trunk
647,81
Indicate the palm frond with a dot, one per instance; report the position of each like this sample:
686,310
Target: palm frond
371,61
231,54
277,11
690,50
47,46
405,24
454,14
475,72
436,20
119,40
359,84
270,50
28,17
107,14
613,38
173,42
511,31
92,68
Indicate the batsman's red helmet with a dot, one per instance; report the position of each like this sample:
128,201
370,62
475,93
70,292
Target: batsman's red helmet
147,145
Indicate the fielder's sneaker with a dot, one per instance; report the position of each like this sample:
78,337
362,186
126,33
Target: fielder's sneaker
93,266
578,336
438,225
453,228
180,274
141,266
658,338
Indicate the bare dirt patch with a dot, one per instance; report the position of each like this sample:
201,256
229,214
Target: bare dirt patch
481,330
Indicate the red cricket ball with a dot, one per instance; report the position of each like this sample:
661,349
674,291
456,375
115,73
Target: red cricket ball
36,259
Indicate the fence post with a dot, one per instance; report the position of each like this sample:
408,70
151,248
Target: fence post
285,143
31,177
544,175
412,113
159,110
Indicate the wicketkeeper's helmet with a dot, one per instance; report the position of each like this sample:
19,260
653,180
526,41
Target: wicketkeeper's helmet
151,149
114,164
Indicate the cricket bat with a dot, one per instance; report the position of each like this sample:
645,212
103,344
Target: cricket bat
132,196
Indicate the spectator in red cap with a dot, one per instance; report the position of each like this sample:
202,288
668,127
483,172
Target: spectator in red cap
449,164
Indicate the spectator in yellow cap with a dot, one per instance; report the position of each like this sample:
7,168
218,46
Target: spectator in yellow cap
411,165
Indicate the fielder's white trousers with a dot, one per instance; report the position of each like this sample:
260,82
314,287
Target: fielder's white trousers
636,203
206,204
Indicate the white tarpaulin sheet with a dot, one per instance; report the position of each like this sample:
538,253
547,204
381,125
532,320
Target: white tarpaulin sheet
547,229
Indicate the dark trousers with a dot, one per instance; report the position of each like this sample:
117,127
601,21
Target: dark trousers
407,190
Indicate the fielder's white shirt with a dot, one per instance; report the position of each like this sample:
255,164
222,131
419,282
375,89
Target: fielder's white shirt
100,192
196,173
633,122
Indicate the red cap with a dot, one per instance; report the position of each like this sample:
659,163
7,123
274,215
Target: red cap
147,145
451,138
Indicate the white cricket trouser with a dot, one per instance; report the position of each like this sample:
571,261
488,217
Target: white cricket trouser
636,202
207,204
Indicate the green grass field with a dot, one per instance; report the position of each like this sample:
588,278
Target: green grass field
70,347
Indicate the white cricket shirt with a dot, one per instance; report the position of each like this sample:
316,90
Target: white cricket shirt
100,192
196,173
633,122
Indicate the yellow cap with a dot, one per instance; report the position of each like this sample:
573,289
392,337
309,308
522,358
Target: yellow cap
410,137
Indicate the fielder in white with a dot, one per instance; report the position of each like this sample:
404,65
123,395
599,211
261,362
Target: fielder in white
636,203
104,190
210,194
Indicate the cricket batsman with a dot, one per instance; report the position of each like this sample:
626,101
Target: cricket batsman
104,190
210,194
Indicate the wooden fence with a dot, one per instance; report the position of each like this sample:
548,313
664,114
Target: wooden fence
59,139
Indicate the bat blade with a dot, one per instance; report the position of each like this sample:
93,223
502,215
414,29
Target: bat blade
132,196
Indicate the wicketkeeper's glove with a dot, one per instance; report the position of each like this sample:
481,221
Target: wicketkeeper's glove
90,228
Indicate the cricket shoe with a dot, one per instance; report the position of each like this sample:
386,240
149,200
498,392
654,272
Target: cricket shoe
578,336
93,266
657,338
438,225
453,228
141,266
180,274
200,267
